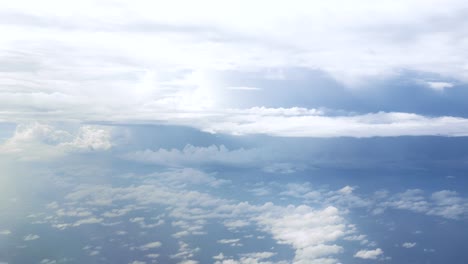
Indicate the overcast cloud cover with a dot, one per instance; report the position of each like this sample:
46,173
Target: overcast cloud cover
233,132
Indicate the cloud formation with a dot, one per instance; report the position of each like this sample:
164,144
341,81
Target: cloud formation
369,254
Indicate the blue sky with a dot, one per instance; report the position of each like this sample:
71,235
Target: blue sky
233,133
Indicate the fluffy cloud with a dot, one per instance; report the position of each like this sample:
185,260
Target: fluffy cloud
313,233
369,254
249,258
445,203
169,65
408,244
37,141
150,245
307,230
31,237
191,155
368,125
439,86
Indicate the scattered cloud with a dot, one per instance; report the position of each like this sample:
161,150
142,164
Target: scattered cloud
31,237
150,245
369,254
191,155
408,244
439,86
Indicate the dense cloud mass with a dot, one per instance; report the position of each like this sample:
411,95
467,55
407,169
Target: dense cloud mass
248,132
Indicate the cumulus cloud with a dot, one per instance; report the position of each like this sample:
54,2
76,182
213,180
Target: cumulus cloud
369,254
37,141
368,125
192,155
253,258
445,203
151,245
307,230
408,244
31,237
439,86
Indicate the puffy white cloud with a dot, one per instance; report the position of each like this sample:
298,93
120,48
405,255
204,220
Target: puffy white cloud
186,253
445,203
439,86
88,221
249,258
307,230
48,261
31,237
367,125
408,244
36,141
150,245
192,155
369,254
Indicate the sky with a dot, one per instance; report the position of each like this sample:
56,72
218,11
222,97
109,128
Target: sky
240,132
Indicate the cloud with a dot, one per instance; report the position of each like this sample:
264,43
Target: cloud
445,203
439,86
307,230
151,245
192,155
368,125
248,258
36,141
408,244
187,40
369,254
244,88
312,232
171,64
87,221
31,237
232,242
5,232
48,261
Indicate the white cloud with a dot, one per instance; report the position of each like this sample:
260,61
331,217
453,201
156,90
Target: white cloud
369,254
169,65
152,256
312,233
439,86
445,203
228,241
151,245
244,88
307,230
186,253
36,141
368,125
192,155
31,237
408,244
5,232
48,261
87,221
248,258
